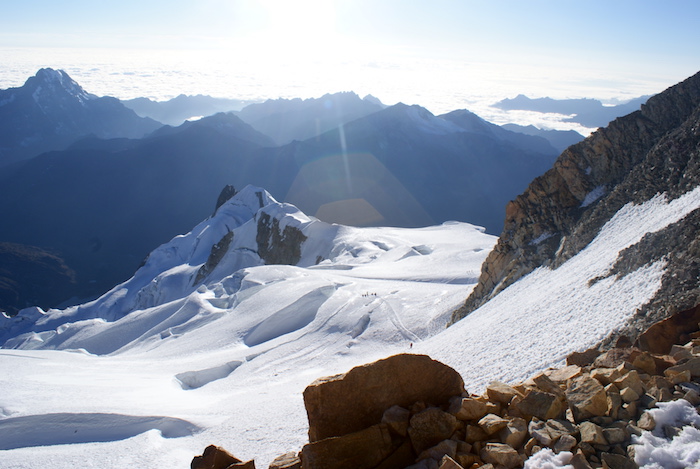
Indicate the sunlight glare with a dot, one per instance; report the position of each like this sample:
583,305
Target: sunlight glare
300,30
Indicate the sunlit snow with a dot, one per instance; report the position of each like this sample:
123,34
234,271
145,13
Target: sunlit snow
160,367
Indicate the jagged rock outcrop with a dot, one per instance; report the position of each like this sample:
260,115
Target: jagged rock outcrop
218,251
654,150
277,245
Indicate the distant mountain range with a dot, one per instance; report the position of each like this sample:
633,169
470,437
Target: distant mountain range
587,112
285,120
177,110
50,111
101,204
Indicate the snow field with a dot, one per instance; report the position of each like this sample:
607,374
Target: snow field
226,362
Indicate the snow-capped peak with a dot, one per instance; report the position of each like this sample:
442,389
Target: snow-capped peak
56,80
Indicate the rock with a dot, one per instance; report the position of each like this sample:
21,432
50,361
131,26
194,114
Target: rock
605,376
353,401
617,461
645,363
615,435
613,358
592,434
629,395
277,245
514,433
397,418
500,454
579,461
217,253
692,366
492,423
224,196
562,375
501,392
539,432
584,358
467,408
449,463
630,380
468,459
540,404
400,458
661,336
614,400
286,461
558,428
474,433
214,457
364,449
677,377
565,443
646,422
586,397
444,448
546,384
429,427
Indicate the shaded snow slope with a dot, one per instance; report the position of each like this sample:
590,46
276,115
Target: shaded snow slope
162,366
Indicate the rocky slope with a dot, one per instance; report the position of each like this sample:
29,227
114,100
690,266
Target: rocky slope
599,411
649,152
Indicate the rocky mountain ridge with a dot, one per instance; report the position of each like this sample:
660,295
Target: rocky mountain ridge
51,110
651,151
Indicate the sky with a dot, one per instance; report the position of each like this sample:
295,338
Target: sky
408,50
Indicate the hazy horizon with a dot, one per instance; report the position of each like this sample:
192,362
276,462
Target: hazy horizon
444,56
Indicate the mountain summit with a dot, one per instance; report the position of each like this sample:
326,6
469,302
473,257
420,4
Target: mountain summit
51,111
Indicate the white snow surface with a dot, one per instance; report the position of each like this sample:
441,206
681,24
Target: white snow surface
654,451
158,368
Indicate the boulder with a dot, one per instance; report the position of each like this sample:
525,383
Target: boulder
586,397
514,433
540,404
347,403
492,423
630,380
617,461
214,457
501,392
692,366
500,454
562,375
364,449
397,418
286,461
660,337
584,358
592,434
467,408
429,427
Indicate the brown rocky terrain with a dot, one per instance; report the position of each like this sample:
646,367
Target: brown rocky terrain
652,151
412,412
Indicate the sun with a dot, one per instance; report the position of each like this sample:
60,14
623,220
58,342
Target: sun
297,30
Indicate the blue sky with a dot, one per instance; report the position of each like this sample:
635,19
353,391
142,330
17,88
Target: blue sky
595,41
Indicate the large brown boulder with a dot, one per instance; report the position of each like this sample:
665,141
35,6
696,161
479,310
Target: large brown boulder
365,449
347,403
661,336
